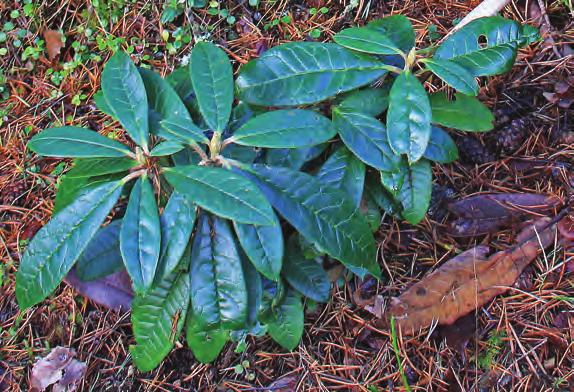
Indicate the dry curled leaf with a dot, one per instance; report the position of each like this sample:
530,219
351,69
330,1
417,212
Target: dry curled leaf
113,291
60,368
467,281
486,213
287,383
54,43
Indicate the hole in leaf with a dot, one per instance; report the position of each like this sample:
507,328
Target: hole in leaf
482,41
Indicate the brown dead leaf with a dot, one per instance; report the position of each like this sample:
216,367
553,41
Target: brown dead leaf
467,281
54,43
486,213
60,367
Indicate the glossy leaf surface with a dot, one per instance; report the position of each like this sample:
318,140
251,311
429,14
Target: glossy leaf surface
176,221
409,117
324,215
158,318
486,46
56,247
140,236
393,181
453,74
464,113
398,29
371,101
293,158
286,323
206,343
218,291
102,256
222,192
305,276
441,147
92,167
366,40
345,172
299,73
416,191
263,245
125,93
166,148
285,129
367,138
75,142
212,79
168,116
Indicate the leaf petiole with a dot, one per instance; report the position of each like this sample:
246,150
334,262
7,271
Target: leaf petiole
133,175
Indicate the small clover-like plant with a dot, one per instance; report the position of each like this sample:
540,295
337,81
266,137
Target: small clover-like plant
395,129
200,236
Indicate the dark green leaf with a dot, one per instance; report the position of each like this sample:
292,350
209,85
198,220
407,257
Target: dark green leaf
56,247
166,148
177,223
293,158
441,147
102,104
158,318
453,74
305,276
324,215
416,191
381,197
344,171
409,117
286,325
218,291
285,129
102,256
212,79
239,153
398,29
371,101
93,167
464,113
366,40
221,192
124,91
486,46
140,236
299,73
371,211
180,80
254,288
393,181
206,343
367,138
72,142
263,245
241,113
69,188
168,115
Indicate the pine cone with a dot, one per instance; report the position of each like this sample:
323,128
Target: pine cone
11,193
471,150
508,139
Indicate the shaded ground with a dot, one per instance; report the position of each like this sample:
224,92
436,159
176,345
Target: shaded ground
522,341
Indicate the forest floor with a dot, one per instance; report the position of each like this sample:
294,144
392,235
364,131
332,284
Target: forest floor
520,341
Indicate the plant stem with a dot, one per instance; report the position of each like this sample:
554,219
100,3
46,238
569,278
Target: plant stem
199,151
133,175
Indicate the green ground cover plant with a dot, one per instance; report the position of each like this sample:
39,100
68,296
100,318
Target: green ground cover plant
237,190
